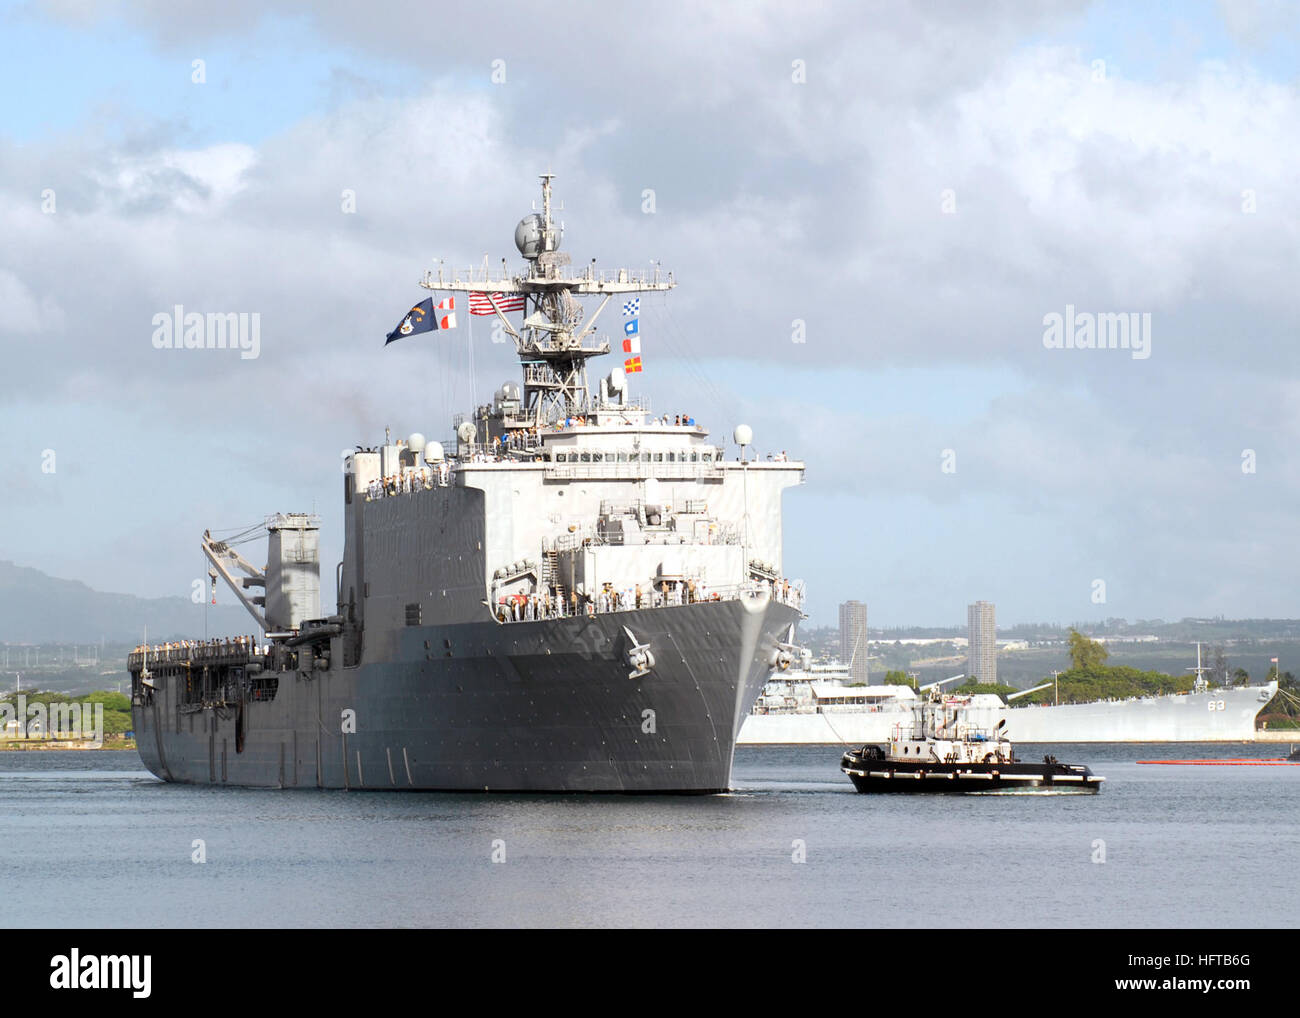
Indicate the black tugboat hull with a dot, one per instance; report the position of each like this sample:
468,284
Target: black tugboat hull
880,775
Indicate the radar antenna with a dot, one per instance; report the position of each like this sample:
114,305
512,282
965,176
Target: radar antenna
552,339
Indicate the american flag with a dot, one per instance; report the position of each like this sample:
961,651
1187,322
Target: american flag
481,303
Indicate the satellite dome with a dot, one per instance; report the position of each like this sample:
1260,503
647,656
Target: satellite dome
433,452
415,443
530,239
744,434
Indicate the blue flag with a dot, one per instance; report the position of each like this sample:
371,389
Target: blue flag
630,328
419,319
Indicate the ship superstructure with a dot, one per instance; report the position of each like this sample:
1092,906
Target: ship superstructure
571,593
818,704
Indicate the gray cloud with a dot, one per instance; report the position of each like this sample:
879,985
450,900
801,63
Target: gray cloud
775,201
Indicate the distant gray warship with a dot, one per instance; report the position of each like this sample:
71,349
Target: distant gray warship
571,595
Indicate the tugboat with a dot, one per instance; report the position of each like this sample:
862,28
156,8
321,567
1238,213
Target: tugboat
941,752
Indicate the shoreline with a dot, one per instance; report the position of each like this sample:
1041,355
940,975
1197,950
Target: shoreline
42,745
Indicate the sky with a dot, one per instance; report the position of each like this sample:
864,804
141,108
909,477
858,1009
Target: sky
872,212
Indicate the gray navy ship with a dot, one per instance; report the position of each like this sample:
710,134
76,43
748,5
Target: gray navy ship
569,595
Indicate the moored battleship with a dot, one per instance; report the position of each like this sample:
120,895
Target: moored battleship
815,707
1202,715
571,594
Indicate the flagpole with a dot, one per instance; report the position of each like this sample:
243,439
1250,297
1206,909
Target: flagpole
473,389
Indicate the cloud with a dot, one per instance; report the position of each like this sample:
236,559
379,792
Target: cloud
943,180
22,312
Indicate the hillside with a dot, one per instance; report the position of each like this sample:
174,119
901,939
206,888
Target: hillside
36,608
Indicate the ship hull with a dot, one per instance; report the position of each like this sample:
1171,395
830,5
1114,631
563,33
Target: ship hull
822,729
1183,718
1220,715
544,706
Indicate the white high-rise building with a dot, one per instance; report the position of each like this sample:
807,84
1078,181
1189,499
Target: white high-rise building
853,639
982,650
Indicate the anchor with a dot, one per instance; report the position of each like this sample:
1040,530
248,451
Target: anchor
639,657
785,653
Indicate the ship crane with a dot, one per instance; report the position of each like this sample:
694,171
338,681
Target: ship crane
224,558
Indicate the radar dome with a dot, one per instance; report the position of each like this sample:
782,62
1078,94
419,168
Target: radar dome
433,452
415,443
744,434
531,240
465,432
528,236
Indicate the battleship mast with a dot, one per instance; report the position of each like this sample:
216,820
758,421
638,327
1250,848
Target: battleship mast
550,339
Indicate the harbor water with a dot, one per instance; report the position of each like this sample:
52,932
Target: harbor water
91,839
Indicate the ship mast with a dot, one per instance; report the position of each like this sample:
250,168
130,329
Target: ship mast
1200,684
552,340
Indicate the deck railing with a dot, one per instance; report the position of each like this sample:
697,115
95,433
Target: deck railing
535,608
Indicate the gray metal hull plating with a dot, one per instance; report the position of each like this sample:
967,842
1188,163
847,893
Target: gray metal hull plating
530,707
1219,715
